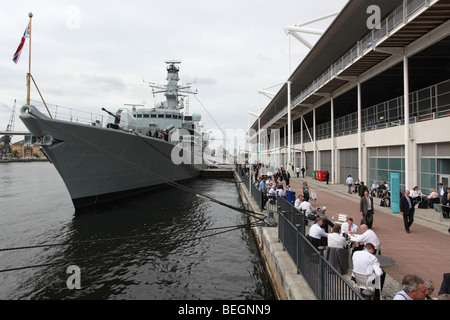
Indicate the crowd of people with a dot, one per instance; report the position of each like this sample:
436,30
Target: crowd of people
158,133
361,242
414,198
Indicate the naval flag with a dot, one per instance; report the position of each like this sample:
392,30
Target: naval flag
26,34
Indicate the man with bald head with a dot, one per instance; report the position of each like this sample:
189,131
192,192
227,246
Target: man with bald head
407,210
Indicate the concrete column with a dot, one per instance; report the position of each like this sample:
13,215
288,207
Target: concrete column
332,141
314,139
359,133
301,143
407,126
289,162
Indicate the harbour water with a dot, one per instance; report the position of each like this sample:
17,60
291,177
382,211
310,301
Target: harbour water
171,255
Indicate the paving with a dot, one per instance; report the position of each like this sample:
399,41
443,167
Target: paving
425,251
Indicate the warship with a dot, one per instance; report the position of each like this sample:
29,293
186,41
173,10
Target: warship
135,151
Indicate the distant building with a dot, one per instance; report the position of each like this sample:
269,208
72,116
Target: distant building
20,150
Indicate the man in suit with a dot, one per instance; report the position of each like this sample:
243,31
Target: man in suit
407,210
445,286
366,209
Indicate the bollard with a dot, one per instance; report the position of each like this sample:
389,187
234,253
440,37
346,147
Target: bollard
270,220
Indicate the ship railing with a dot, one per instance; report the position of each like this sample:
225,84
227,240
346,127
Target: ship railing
70,114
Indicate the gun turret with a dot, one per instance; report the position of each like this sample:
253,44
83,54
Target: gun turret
117,121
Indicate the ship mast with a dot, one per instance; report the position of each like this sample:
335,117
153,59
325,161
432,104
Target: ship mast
29,63
172,90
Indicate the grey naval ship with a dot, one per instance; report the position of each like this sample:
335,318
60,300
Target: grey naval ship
136,151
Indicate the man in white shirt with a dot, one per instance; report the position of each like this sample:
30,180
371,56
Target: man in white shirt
413,193
335,240
368,236
375,187
349,227
298,201
305,205
317,235
272,191
413,288
350,183
366,263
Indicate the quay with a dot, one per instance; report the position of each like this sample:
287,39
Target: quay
24,160
217,172
420,252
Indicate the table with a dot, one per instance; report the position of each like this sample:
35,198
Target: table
386,261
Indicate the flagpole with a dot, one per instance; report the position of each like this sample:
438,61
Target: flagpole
29,65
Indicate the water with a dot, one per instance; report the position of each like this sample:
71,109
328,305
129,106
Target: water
167,263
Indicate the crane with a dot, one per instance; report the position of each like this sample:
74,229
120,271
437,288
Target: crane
6,139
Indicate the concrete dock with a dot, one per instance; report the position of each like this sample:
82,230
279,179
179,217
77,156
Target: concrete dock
423,252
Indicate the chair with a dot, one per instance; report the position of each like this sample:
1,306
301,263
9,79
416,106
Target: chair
290,196
337,258
339,218
377,251
438,210
366,287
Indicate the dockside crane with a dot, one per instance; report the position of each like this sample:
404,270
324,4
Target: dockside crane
6,151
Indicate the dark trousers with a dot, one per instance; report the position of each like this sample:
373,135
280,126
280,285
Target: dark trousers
368,219
408,220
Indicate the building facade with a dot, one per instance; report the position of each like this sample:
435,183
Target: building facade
367,101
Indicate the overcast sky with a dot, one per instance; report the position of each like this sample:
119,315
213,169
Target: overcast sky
92,54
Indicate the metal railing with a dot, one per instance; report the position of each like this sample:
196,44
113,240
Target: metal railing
70,114
324,280
368,43
429,103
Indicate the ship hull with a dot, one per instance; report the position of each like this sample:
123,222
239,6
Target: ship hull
100,165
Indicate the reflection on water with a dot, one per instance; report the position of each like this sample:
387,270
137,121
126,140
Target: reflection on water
168,259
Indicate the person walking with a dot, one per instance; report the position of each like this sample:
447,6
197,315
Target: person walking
287,177
362,189
407,210
366,209
350,183
303,172
305,189
297,170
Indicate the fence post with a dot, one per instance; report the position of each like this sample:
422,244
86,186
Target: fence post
298,226
321,273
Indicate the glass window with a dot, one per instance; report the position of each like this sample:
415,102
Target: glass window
428,182
443,166
383,175
395,164
383,163
428,165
